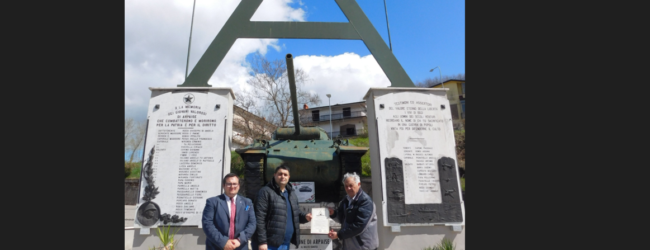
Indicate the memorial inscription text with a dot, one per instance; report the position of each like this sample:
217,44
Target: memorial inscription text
417,120
185,131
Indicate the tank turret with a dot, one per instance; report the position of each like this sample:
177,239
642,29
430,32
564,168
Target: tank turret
309,153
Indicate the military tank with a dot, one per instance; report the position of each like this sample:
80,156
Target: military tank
308,151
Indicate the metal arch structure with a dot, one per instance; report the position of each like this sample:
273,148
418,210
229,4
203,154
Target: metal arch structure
240,26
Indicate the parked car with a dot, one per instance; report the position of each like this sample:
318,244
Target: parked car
304,189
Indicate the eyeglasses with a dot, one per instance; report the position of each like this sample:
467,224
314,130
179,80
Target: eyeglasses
232,184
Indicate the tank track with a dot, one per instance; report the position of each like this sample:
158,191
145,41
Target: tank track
253,175
350,163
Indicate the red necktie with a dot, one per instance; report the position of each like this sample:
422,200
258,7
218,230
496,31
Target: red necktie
231,235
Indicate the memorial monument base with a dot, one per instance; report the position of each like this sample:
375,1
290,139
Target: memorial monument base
187,153
411,146
187,238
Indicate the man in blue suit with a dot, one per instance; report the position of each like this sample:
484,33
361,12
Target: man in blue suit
224,231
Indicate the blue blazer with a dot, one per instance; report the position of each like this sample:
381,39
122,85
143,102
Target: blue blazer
216,221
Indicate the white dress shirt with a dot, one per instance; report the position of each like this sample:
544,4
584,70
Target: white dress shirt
228,202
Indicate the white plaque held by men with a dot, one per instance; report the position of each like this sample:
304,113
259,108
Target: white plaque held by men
319,221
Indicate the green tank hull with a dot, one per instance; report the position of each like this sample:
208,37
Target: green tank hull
314,160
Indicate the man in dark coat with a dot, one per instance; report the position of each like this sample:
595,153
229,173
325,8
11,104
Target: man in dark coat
357,215
278,214
223,231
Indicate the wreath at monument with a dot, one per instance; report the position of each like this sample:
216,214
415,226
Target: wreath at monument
149,212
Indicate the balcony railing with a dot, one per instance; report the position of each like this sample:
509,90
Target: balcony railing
335,116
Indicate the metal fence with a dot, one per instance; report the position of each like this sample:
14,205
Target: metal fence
335,116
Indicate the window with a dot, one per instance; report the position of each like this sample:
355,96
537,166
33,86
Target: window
347,129
346,112
315,115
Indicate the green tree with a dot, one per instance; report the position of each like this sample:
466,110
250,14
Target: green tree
236,164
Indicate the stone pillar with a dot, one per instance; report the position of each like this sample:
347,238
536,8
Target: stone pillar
415,184
186,155
131,187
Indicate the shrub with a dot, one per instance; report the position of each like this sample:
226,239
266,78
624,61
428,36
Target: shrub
359,141
446,244
365,159
462,183
132,170
135,173
236,164
366,171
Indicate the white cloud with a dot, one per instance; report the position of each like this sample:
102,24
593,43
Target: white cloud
156,40
156,43
346,77
278,10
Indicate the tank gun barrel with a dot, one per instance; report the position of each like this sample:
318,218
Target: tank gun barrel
297,132
294,99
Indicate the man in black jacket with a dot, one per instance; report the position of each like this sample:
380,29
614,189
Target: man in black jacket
357,215
275,230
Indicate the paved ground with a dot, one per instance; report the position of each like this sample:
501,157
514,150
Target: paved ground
129,214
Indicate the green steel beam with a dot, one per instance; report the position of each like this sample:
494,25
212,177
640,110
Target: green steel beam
240,26
385,58
306,30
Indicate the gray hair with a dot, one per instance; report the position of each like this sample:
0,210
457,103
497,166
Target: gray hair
356,177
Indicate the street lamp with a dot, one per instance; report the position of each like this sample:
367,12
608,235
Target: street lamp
329,104
440,72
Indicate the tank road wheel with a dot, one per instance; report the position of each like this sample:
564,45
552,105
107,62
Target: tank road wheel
253,175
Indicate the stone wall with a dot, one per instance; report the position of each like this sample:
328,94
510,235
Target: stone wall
131,187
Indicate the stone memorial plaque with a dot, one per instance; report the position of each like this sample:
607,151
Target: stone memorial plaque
314,242
417,150
184,152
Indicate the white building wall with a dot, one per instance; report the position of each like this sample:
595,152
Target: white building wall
357,109
240,141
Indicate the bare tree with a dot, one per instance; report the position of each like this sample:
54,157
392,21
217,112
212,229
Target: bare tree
427,83
270,86
134,141
129,124
248,117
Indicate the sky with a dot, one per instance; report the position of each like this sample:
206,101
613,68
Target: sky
423,34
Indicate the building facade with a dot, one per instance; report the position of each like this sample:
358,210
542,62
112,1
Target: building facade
456,96
247,127
348,119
